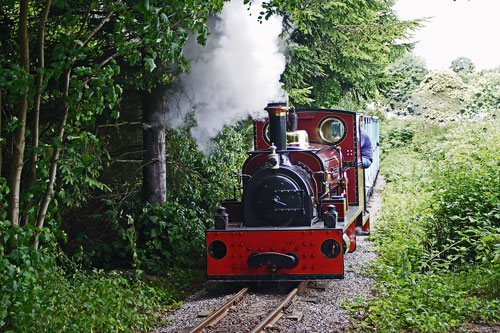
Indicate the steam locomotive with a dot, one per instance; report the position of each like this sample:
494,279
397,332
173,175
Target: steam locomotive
303,202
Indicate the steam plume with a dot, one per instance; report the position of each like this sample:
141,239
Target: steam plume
234,76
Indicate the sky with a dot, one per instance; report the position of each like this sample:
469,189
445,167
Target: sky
461,28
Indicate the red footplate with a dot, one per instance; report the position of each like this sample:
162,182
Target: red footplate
317,254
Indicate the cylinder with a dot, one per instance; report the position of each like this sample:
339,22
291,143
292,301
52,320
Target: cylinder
277,124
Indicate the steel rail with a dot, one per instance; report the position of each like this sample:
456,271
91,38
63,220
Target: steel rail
220,313
278,311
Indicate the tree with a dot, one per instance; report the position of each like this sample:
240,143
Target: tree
95,50
487,91
342,50
462,65
403,77
443,96
20,114
294,10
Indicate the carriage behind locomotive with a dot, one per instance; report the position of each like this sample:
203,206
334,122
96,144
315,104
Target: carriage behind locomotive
303,202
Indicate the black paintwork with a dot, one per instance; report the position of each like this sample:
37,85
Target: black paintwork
278,197
273,260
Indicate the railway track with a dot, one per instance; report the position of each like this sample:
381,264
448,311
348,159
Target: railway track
211,321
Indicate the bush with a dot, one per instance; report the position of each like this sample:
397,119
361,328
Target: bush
431,302
44,292
398,133
465,223
438,234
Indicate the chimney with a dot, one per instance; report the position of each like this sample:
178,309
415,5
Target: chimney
277,124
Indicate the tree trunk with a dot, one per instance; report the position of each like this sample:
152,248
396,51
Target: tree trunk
1,143
45,200
154,186
21,111
36,108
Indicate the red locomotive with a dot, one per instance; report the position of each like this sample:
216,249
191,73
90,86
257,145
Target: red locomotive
303,200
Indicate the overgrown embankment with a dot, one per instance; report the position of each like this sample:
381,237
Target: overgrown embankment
98,283
439,232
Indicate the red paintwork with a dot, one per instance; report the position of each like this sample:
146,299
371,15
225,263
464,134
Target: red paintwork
311,126
351,233
366,226
309,121
351,185
306,244
254,163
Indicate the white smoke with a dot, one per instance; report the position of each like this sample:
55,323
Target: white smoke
234,76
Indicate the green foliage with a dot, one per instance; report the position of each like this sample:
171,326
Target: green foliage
294,10
486,97
80,168
163,28
104,48
432,302
107,49
173,234
42,291
465,223
397,133
4,192
342,49
159,237
438,233
38,296
403,77
442,97
462,65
